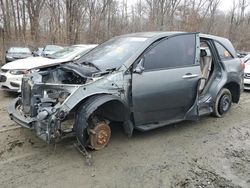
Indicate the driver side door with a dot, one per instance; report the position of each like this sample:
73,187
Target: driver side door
164,82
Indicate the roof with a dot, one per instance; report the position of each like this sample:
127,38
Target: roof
151,34
157,34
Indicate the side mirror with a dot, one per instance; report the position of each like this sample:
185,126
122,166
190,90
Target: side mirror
139,67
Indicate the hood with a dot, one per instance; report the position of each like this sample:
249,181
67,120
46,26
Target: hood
29,63
79,69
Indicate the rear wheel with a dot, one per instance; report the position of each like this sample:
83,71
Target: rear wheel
222,103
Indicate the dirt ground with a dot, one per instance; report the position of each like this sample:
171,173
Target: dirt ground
213,152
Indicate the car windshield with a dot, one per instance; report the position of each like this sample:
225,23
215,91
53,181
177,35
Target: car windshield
65,52
246,58
19,50
113,53
248,62
52,48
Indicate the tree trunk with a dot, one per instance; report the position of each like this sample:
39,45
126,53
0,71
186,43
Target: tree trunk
24,20
18,17
14,18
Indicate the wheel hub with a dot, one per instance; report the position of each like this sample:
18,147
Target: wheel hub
225,103
99,135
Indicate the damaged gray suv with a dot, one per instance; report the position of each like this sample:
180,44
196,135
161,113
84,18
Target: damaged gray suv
144,80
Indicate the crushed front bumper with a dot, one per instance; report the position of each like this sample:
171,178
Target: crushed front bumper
47,129
16,116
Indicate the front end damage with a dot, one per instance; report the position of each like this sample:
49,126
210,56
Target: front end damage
51,97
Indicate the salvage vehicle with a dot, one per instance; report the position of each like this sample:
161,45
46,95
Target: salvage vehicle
11,73
143,80
15,53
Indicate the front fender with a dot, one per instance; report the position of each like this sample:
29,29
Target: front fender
94,102
114,108
110,85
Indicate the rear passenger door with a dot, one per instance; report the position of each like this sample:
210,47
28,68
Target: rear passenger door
166,86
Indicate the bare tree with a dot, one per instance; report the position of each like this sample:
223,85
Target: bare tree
34,8
213,6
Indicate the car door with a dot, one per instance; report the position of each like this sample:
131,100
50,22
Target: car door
165,79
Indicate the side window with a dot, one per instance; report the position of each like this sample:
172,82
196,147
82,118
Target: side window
223,52
178,51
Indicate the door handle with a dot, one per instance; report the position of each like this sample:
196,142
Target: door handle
189,76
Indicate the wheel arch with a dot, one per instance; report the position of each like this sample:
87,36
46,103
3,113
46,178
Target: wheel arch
110,106
90,105
234,88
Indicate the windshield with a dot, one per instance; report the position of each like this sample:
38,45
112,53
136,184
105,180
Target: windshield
52,48
19,50
64,53
246,58
113,53
248,62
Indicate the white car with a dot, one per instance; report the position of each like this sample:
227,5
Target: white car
247,75
11,73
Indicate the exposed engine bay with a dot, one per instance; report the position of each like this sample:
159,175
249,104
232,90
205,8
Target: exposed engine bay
53,85
45,91
70,73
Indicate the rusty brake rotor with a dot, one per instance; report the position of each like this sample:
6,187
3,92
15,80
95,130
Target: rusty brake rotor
99,136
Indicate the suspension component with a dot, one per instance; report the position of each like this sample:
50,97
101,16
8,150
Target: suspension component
99,135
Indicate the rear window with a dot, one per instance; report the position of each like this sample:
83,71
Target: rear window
223,52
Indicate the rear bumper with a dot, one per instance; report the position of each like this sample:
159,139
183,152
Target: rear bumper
16,116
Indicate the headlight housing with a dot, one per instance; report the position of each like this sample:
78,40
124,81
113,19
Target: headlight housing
18,72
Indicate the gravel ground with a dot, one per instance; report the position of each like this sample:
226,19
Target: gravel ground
213,152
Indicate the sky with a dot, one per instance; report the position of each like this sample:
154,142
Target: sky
226,5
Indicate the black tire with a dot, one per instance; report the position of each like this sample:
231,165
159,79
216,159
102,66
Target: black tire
222,103
85,126
80,126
